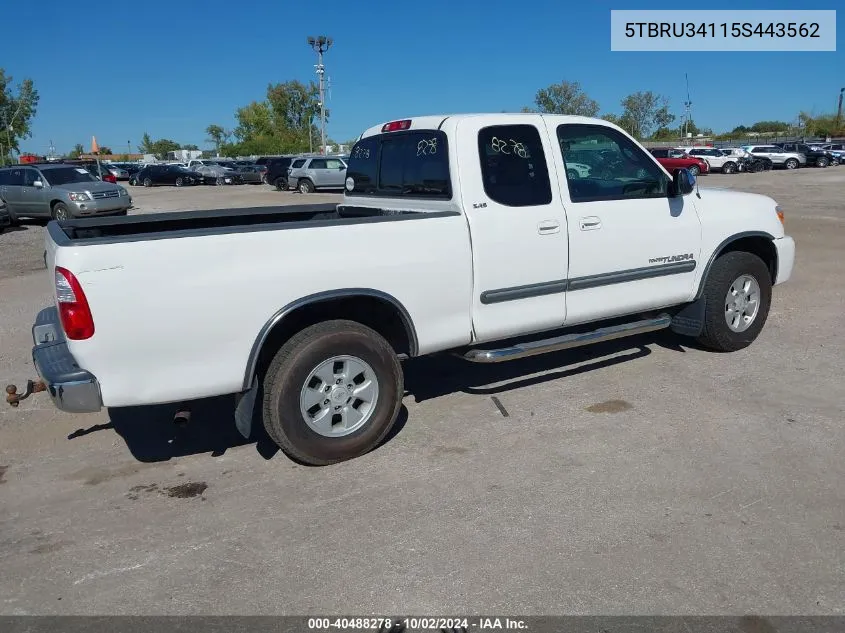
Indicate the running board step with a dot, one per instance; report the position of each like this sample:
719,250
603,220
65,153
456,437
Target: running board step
567,341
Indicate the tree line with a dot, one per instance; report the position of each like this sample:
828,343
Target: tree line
646,116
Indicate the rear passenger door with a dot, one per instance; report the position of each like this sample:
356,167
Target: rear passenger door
13,183
517,224
316,172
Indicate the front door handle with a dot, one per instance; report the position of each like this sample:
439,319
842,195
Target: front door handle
547,227
590,223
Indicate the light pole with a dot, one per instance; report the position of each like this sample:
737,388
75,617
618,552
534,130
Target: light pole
321,44
839,109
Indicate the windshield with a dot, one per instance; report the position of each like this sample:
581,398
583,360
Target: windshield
68,175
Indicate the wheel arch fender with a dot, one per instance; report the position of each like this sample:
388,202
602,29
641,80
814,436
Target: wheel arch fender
758,242
343,299
689,319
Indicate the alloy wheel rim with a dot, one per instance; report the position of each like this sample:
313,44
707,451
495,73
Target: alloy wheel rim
339,396
742,303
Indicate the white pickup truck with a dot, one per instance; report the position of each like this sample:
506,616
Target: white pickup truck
463,233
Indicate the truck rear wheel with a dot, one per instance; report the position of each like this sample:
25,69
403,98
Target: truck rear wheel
332,392
737,296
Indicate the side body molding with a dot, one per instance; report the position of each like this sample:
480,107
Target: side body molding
319,297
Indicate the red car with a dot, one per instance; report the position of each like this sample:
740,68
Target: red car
676,159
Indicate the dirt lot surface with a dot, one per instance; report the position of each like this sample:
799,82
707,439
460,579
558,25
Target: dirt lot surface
644,476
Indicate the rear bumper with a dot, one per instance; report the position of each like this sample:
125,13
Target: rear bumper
72,388
786,258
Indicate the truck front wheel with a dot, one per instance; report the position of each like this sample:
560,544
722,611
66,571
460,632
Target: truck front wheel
332,392
737,296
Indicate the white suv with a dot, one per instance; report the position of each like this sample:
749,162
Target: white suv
778,156
716,159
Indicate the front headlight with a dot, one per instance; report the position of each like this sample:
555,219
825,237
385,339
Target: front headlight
123,192
79,196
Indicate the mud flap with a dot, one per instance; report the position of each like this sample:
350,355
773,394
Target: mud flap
689,321
245,409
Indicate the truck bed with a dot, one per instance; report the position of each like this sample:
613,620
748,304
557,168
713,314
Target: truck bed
215,221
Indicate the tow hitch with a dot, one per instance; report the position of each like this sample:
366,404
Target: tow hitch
32,386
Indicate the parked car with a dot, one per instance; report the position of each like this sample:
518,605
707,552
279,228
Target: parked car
317,173
152,175
249,173
59,191
535,263
838,150
817,157
277,171
216,174
778,156
117,171
675,159
5,216
717,160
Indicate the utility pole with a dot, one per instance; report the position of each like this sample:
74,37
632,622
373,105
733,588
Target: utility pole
321,44
839,109
688,106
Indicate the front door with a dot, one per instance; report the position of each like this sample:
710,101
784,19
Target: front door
517,224
32,197
335,173
631,247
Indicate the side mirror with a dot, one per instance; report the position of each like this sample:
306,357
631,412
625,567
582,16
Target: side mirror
37,184
683,182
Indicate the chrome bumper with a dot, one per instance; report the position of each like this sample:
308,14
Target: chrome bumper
72,388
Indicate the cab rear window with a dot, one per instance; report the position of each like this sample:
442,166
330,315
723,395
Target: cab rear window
411,164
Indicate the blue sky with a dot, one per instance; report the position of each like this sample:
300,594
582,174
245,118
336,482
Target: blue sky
119,69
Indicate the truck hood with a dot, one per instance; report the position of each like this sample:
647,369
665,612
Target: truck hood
746,211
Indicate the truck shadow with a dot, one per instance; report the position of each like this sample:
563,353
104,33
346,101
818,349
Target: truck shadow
439,375
151,435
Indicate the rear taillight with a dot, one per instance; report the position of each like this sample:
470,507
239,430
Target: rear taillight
77,321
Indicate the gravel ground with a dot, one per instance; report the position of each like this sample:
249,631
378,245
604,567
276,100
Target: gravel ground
644,476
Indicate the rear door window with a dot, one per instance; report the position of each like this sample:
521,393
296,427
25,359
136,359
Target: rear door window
317,163
413,164
513,165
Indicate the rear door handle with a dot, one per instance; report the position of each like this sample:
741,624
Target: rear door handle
547,227
590,223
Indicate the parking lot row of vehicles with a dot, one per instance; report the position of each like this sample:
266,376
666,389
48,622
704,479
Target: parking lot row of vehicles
750,158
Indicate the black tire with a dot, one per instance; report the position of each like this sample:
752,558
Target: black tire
571,174
281,184
791,163
727,268
694,170
148,182
306,186
179,182
288,372
822,162
60,212
729,168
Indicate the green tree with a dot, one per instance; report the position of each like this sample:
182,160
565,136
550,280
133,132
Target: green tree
77,151
565,97
17,109
159,148
218,136
770,126
610,118
189,146
105,151
645,111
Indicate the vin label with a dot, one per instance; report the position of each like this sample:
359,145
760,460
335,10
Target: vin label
723,30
